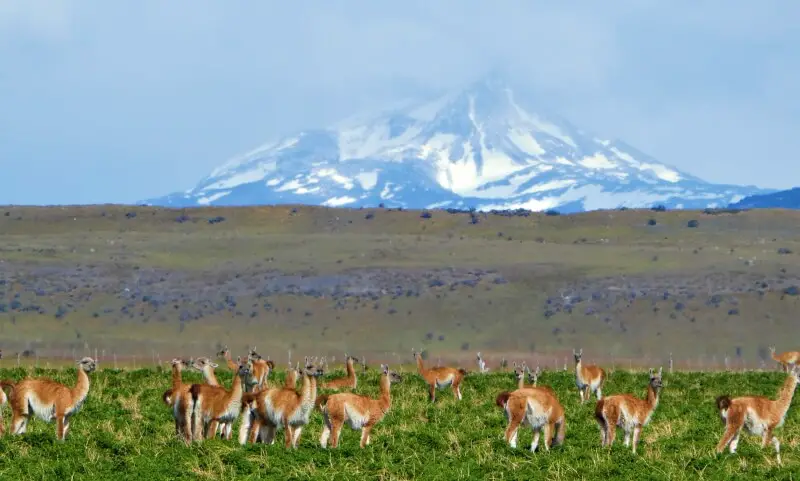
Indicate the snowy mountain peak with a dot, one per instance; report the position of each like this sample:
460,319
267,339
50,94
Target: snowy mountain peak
484,146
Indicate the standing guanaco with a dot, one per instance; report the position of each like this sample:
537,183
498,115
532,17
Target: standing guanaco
440,377
787,360
49,400
349,381
521,370
588,378
537,408
758,415
627,411
359,412
261,370
282,407
215,404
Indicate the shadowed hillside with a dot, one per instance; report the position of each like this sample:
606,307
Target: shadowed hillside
628,285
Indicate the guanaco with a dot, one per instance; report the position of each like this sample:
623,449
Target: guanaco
482,364
168,397
521,371
628,412
758,415
282,407
537,408
261,370
359,412
215,404
787,360
440,377
349,381
49,400
588,378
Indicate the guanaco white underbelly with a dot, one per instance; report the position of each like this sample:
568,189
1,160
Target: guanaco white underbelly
354,418
446,382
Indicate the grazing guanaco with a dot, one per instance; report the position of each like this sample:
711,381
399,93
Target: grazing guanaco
440,377
359,412
537,408
282,407
215,404
349,381
588,378
758,415
49,400
628,412
787,360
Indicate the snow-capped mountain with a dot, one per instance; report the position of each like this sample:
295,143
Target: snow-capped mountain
483,147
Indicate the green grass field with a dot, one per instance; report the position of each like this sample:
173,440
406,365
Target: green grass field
125,432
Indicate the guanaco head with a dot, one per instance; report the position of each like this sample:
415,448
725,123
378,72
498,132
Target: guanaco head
394,378
533,377
87,364
655,379
349,358
772,349
244,369
577,355
201,363
313,369
253,355
224,352
519,370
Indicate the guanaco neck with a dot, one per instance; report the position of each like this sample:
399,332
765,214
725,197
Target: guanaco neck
176,377
652,397
236,388
420,366
211,378
521,382
385,401
786,394
351,373
81,388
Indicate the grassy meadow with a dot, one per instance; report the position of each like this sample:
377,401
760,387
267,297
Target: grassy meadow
124,432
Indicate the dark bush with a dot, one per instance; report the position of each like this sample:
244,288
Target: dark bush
792,291
426,215
552,213
182,218
465,346
651,222
659,208
216,220
130,215
784,251
369,216
693,224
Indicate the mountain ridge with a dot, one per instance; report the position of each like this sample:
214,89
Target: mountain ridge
479,147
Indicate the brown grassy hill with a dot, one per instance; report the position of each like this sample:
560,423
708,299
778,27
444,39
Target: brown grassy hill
156,282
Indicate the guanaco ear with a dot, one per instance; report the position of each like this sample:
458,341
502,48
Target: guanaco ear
651,372
214,365
660,370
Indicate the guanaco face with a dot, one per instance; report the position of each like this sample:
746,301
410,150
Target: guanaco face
225,354
588,378
49,400
628,412
758,415
440,377
349,381
359,412
537,408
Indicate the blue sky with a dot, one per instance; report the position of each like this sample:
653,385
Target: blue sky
116,101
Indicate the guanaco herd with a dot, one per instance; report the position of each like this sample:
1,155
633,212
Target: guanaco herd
205,410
